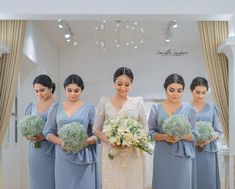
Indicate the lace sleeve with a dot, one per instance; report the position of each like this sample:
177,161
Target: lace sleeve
100,114
142,114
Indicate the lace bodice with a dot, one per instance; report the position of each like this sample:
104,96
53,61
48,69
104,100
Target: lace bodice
133,108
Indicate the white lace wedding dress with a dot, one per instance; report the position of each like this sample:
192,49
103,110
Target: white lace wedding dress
126,170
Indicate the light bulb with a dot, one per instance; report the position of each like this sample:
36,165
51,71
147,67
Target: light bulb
67,35
60,25
173,24
167,40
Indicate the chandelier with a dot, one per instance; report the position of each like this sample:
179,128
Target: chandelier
125,34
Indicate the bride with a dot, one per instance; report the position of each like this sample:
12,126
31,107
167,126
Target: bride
129,161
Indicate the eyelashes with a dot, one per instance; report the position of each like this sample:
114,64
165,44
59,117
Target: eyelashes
173,90
40,90
200,92
126,85
75,90
70,91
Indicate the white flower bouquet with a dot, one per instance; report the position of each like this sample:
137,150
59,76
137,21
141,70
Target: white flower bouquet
177,126
126,132
74,137
31,126
206,131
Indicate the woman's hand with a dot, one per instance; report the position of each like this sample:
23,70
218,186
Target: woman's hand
188,137
101,135
111,145
62,145
36,138
202,144
166,137
90,141
171,139
32,139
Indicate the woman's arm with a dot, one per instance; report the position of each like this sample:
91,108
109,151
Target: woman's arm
50,128
99,121
100,135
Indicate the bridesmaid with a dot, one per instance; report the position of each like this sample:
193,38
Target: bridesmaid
73,170
206,155
172,164
41,161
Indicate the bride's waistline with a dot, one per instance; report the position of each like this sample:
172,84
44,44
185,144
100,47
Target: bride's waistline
123,149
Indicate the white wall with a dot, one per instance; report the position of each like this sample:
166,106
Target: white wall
97,67
45,56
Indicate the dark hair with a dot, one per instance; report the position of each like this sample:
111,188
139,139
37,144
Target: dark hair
174,78
123,71
44,80
74,79
199,81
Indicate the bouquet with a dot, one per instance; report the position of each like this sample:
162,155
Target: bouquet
31,126
74,137
176,126
126,132
205,130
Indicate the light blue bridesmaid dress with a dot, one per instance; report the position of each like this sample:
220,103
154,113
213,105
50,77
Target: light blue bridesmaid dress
73,170
207,158
172,163
41,160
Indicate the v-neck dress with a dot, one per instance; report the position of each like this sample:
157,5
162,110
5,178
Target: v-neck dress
172,163
73,170
126,170
207,159
41,160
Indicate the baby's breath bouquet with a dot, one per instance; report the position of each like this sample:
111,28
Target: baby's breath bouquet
126,132
205,130
31,126
177,126
74,137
